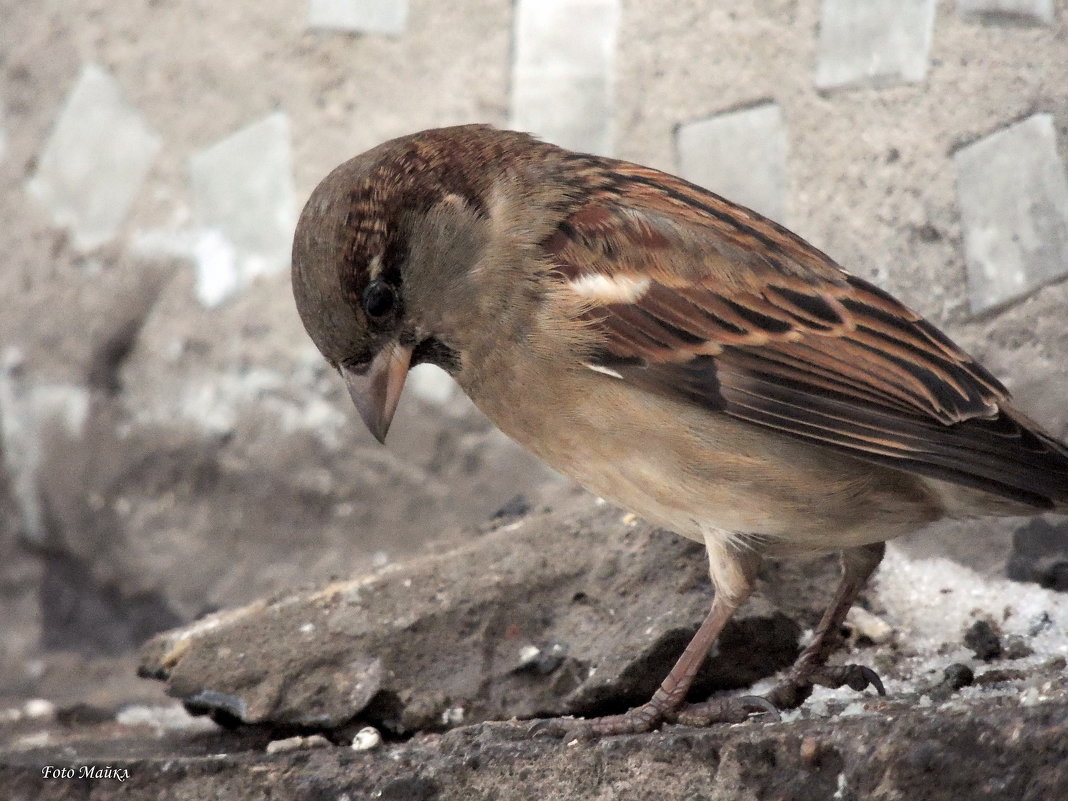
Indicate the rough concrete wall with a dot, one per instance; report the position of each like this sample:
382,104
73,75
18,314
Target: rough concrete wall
173,442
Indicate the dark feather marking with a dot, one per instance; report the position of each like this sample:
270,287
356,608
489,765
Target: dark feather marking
854,369
822,379
726,215
943,395
433,351
675,309
760,320
694,381
811,305
640,320
679,334
819,382
602,357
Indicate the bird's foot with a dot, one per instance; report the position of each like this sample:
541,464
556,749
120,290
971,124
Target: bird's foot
639,720
734,709
797,687
787,694
648,717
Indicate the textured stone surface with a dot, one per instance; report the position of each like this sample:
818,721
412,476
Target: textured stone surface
369,16
244,206
1038,12
579,610
740,155
562,78
993,750
401,648
1014,202
874,42
95,160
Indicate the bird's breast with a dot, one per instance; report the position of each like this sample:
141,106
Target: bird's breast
688,469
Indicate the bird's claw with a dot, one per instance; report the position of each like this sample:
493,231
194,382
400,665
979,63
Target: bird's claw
555,728
639,720
793,691
725,710
855,677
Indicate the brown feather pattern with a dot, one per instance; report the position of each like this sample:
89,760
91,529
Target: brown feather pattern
745,318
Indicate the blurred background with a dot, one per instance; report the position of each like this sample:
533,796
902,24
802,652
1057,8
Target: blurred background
172,443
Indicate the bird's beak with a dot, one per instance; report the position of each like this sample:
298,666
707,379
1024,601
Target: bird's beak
377,392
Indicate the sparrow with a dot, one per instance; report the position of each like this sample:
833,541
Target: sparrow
675,353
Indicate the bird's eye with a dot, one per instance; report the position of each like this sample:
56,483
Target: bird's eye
378,300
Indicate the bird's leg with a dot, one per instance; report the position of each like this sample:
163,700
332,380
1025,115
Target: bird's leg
671,694
810,668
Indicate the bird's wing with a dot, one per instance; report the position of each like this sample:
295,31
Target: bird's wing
696,298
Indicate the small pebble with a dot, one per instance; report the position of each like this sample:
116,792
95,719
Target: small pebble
453,716
1040,623
296,744
1016,647
366,739
983,640
954,677
527,655
871,627
957,676
517,506
810,752
39,709
999,676
542,661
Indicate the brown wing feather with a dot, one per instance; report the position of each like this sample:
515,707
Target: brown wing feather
743,317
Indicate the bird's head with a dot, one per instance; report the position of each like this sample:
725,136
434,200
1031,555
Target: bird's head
386,257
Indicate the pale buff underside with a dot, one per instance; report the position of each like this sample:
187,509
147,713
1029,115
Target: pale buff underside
712,479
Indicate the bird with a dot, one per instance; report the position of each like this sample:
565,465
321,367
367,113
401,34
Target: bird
671,351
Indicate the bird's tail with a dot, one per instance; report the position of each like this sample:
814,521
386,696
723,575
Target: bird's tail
1034,464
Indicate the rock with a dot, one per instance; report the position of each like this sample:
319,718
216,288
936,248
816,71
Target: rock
574,612
1040,553
296,744
983,640
366,739
958,676
991,748
395,677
